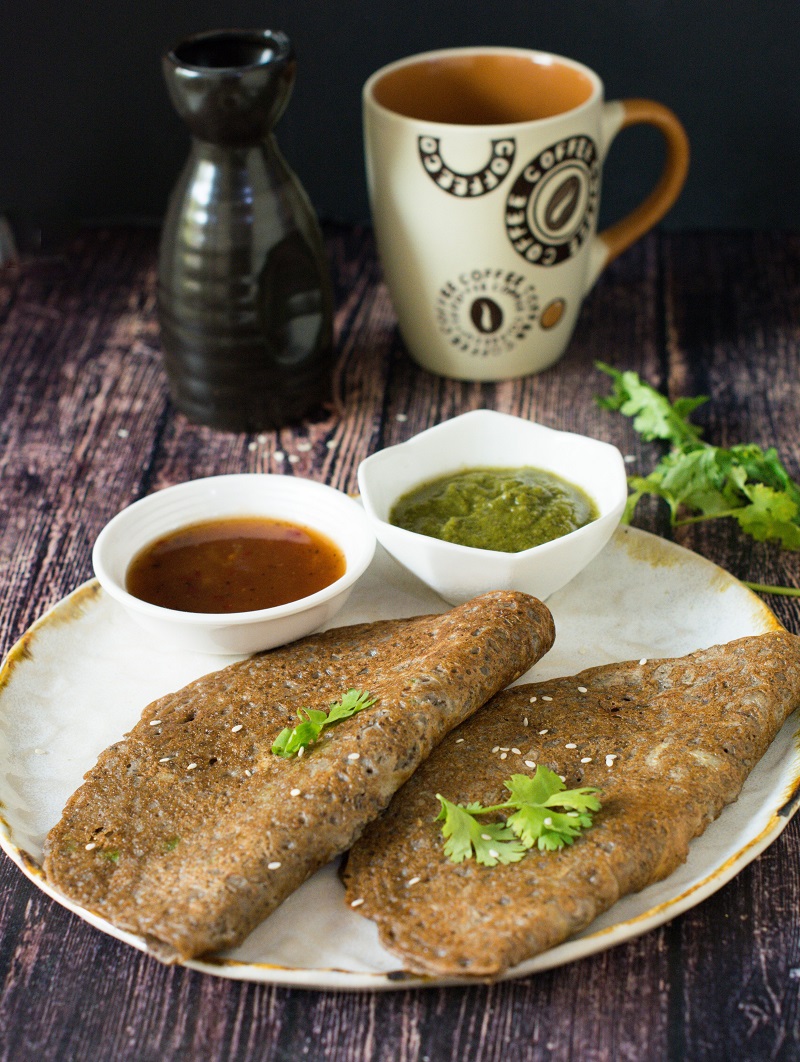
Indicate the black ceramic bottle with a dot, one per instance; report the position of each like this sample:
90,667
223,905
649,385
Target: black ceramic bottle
244,295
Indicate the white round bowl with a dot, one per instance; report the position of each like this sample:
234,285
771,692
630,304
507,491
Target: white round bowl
300,501
486,439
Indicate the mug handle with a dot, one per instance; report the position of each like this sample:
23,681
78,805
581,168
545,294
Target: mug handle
618,115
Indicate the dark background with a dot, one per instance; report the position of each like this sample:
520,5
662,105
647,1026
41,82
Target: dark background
87,132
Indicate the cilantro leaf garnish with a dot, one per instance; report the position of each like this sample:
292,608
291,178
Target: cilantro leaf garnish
492,842
545,815
313,721
699,481
536,822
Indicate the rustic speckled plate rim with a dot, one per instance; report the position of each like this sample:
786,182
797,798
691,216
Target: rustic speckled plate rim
656,552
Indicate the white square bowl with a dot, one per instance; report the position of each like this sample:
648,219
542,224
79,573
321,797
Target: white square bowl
487,439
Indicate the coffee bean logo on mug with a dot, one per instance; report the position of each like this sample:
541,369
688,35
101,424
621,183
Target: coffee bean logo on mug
486,313
483,168
551,208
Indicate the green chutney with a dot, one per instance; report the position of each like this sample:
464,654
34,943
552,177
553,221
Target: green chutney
505,509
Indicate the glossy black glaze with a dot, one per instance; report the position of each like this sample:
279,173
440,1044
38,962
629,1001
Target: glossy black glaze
244,294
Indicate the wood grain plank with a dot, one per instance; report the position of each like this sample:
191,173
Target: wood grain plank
754,952
62,408
735,313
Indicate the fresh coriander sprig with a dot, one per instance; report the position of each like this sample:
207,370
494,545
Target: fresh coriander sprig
699,481
655,417
545,815
313,721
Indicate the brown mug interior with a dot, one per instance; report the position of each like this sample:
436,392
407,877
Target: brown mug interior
483,88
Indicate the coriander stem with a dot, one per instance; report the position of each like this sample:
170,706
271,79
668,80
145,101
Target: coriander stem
763,588
708,516
496,807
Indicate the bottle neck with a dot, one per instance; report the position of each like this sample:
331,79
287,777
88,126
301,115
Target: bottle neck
231,87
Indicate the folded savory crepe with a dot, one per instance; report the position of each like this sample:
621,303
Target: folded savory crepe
190,830
669,743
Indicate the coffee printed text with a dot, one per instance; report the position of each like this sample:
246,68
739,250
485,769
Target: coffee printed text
467,185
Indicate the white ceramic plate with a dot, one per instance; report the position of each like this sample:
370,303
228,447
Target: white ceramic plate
80,676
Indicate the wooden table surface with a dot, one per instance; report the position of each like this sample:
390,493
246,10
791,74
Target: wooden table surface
86,428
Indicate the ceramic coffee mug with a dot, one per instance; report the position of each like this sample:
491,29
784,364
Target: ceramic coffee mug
483,169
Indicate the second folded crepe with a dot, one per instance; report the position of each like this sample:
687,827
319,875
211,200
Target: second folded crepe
668,742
